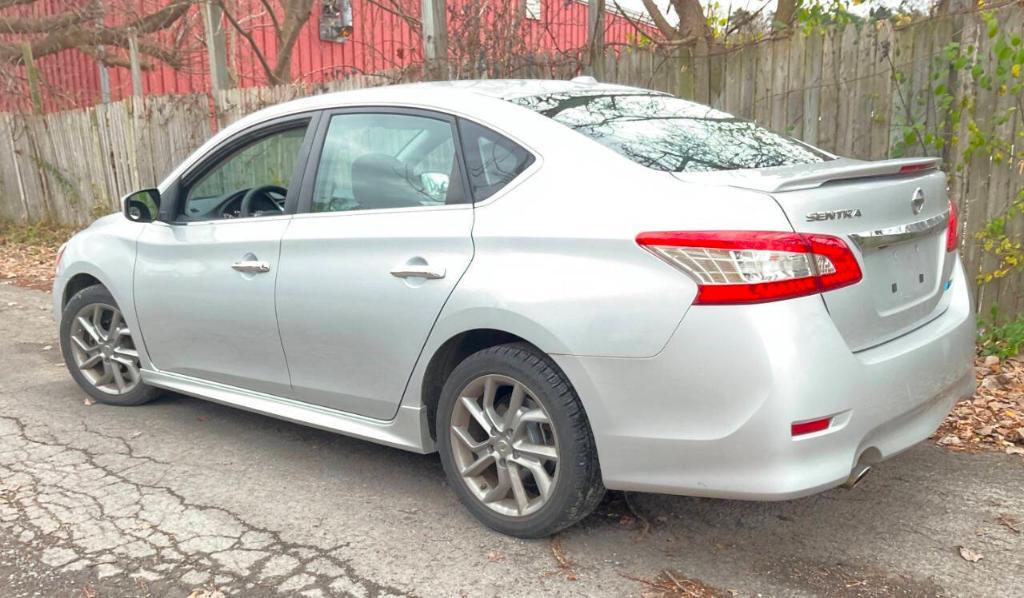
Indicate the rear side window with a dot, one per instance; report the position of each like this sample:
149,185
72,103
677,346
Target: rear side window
492,160
666,133
376,161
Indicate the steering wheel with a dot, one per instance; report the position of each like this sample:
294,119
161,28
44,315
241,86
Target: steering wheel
243,210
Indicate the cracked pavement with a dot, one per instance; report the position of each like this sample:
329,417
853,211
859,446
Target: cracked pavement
182,494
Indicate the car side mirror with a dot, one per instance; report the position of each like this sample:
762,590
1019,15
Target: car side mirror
141,206
435,185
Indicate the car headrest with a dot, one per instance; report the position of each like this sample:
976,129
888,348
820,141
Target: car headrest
381,181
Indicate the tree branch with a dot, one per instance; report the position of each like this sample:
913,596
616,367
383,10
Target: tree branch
273,17
396,9
160,19
748,18
10,3
256,50
86,33
296,14
48,24
659,19
634,23
113,60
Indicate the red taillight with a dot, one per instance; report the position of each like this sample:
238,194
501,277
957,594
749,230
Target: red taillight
953,230
755,266
916,167
809,427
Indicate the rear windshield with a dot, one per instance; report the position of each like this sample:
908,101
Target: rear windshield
666,133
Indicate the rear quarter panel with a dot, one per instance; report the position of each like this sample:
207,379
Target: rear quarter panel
556,261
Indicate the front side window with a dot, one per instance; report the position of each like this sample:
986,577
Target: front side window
666,133
380,161
492,160
251,181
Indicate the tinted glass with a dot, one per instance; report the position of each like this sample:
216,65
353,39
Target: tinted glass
491,159
666,133
379,161
270,160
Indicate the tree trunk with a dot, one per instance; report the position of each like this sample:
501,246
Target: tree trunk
692,22
693,25
784,15
296,13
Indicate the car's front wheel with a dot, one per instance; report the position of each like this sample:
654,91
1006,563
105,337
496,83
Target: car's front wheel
100,351
516,444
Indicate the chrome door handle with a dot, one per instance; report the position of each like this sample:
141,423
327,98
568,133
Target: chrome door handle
251,266
418,271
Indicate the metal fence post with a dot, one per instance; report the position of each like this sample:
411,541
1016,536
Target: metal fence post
216,48
435,38
595,38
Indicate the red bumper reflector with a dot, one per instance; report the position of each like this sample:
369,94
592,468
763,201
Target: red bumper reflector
815,425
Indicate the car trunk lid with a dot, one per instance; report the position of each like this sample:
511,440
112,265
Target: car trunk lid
893,214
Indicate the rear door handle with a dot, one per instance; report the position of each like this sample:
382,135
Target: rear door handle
251,266
418,271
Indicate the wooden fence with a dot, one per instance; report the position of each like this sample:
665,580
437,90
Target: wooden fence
853,91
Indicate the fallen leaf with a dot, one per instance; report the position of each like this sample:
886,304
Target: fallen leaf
970,555
993,418
563,561
1009,521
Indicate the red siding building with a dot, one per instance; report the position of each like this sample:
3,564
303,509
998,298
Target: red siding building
373,40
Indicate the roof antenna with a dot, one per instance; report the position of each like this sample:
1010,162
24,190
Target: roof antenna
584,80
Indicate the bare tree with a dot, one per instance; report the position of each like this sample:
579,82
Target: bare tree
86,28
287,19
692,25
486,38
491,38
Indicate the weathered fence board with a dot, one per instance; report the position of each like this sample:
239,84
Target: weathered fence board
854,91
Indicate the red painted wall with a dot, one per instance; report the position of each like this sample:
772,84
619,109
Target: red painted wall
380,41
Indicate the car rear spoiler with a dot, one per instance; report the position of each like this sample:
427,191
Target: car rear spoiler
809,176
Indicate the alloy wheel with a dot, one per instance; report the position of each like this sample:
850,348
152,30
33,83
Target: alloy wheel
103,349
504,445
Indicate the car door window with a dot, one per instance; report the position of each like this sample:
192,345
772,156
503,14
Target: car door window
379,160
492,160
264,167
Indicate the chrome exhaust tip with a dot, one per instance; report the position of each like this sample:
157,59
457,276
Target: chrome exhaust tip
858,474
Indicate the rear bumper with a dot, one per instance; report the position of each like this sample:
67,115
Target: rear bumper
710,415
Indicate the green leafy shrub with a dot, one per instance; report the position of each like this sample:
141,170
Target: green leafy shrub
999,336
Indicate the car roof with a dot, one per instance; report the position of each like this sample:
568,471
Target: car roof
442,94
506,89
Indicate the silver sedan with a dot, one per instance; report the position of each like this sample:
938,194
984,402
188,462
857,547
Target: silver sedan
560,287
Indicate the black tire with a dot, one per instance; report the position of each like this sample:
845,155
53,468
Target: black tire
577,487
138,395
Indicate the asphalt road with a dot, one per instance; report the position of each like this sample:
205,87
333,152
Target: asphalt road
182,494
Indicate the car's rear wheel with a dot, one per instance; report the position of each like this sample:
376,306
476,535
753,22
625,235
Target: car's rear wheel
100,351
516,444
